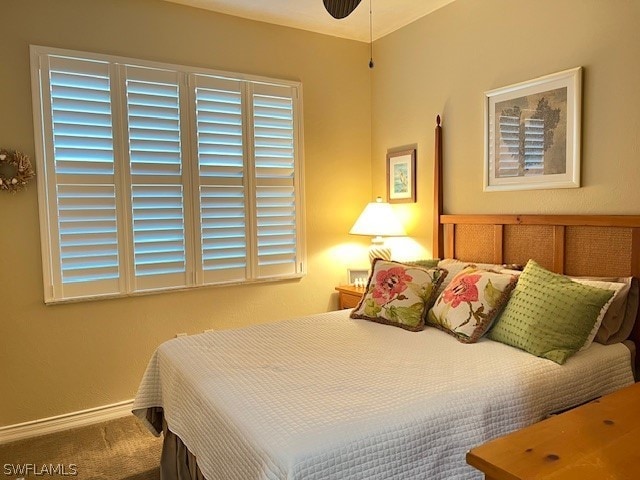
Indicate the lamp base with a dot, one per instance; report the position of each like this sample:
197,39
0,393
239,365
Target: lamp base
379,250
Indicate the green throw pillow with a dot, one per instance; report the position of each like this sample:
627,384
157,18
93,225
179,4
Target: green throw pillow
549,315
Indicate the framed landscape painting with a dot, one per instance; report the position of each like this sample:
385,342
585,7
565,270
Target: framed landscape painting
532,133
401,176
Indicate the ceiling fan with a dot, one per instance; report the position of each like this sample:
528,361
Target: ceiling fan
340,8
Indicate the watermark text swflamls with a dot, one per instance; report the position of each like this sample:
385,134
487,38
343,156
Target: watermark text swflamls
50,469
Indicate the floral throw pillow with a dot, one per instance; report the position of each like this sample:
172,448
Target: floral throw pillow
469,304
399,294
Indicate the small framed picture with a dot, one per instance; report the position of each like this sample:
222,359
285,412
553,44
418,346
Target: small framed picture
358,276
401,176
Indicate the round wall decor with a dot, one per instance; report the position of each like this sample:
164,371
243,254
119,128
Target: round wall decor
15,170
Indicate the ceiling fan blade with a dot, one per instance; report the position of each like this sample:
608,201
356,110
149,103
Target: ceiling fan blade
340,8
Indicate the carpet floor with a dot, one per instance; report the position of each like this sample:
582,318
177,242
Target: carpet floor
121,449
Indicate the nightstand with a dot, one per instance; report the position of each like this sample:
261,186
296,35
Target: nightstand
595,441
349,296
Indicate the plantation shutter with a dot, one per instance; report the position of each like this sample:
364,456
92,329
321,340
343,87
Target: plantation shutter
156,177
275,177
221,178
81,179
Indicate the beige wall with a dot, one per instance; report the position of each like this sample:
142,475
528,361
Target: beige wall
443,63
65,358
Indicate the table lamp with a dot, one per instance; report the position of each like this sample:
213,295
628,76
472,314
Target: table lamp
378,220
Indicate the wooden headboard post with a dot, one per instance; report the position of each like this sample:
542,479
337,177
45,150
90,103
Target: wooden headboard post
438,234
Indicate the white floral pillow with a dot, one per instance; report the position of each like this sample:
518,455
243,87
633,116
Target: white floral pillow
471,301
399,294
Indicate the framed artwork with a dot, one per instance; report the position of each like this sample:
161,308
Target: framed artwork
532,133
401,176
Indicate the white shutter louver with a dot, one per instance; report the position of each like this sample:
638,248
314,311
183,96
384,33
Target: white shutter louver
508,155
88,233
157,205
84,181
534,146
274,151
221,178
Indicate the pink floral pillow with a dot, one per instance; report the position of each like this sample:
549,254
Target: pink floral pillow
467,307
399,294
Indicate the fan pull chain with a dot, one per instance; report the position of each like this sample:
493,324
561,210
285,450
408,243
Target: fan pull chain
371,64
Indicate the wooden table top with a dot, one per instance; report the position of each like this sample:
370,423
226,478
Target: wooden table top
350,289
597,441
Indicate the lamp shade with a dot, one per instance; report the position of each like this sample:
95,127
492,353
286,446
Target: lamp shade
378,220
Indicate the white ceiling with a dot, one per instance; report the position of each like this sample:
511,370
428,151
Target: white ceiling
387,15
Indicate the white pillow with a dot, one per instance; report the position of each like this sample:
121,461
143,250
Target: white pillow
510,271
616,287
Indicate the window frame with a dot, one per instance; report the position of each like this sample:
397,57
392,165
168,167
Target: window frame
194,278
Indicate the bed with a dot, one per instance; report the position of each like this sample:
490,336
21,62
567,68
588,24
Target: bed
334,397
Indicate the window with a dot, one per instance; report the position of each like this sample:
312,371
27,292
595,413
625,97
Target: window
159,176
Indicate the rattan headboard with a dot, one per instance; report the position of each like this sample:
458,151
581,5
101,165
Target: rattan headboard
594,245
571,244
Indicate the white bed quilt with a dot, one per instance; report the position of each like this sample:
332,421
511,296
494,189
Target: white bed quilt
328,397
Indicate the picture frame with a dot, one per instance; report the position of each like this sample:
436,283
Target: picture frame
357,276
401,176
533,133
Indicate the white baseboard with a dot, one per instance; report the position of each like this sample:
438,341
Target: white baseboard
59,423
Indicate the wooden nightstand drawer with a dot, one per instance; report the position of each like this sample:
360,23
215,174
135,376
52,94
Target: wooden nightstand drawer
349,296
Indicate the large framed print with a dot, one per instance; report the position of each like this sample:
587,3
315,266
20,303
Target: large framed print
532,133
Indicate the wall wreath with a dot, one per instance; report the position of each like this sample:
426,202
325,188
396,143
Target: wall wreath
15,170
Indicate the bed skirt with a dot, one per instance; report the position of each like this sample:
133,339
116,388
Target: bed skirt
632,348
176,461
